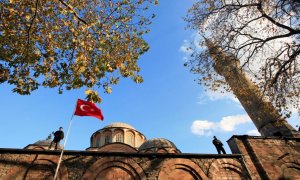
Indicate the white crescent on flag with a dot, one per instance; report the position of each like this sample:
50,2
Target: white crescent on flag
82,108
86,108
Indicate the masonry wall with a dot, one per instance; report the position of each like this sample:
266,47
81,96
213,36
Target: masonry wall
37,164
269,157
252,158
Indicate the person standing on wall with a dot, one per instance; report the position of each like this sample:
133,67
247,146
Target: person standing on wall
58,136
219,145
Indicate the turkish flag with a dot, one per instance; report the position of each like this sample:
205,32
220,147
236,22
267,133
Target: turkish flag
85,108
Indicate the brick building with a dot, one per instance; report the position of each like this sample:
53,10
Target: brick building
119,151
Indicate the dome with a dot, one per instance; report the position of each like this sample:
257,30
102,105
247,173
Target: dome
117,133
159,145
119,125
42,144
45,142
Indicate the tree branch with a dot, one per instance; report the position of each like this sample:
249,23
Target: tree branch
283,67
259,7
32,21
73,12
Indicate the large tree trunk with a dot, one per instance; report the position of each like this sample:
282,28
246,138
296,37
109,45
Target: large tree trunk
263,114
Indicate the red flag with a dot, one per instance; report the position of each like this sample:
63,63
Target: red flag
85,108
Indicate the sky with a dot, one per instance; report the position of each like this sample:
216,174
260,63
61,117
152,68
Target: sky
168,104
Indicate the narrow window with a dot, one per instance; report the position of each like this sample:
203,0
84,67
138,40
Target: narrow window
98,142
130,139
119,137
107,139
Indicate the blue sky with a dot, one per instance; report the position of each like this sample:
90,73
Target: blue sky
169,104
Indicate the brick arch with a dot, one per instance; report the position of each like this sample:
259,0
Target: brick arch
39,171
40,147
181,169
147,151
116,147
115,165
162,150
45,165
230,168
288,162
290,170
53,162
288,159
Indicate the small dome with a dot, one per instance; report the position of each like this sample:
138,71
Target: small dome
159,145
119,125
45,142
42,144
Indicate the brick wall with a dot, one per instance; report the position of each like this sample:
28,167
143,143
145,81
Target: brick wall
262,158
269,157
37,164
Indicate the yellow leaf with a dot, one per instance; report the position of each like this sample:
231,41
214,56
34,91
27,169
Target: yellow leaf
27,17
89,91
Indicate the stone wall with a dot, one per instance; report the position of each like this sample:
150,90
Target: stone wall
37,164
252,158
269,157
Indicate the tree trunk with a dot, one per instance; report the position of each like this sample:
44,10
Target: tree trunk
266,118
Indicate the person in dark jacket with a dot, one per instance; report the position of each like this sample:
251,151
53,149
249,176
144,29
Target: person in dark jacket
58,135
219,145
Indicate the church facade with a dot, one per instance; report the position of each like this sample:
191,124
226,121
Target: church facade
119,151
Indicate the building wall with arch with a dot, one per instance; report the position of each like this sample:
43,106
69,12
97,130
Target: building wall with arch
253,157
41,164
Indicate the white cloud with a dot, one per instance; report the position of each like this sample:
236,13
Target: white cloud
217,95
187,44
294,119
253,132
227,124
185,48
202,127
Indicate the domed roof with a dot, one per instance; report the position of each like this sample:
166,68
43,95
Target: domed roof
157,143
45,142
119,124
42,143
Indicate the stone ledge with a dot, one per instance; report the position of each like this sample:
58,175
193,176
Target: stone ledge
263,137
95,153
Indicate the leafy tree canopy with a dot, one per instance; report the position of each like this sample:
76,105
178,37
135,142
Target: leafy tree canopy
263,34
69,44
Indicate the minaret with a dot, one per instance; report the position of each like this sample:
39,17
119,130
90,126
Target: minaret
263,114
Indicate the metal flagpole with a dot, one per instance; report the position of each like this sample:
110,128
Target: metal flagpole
65,142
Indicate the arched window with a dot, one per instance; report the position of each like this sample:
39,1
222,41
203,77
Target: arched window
107,139
98,141
119,137
130,138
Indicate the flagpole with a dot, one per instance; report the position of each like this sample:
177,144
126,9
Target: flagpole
65,142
